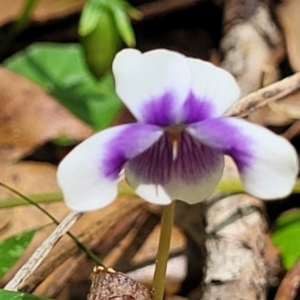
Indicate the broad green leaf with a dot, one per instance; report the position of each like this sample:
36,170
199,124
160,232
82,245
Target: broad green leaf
9,295
286,237
61,70
12,248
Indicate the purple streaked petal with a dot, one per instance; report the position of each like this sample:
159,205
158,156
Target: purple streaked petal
162,87
159,111
213,85
163,111
267,163
88,175
191,176
222,135
158,79
196,110
124,145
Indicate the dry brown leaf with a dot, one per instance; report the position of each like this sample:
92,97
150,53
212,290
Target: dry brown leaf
29,117
289,107
278,113
29,178
288,15
43,11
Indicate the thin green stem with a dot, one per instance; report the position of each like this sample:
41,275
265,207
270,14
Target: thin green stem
37,198
15,28
88,252
25,14
124,190
226,186
163,251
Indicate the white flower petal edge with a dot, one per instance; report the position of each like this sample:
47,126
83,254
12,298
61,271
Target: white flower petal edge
142,78
214,85
176,189
88,175
267,163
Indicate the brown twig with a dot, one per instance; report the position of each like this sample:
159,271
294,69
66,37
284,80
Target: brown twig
158,8
290,284
261,97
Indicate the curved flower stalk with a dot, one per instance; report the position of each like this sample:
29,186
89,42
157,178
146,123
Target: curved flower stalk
176,149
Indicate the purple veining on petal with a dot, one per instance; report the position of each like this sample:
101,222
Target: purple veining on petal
154,165
194,160
229,139
133,140
159,111
196,110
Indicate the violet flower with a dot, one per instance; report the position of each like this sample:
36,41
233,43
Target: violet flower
176,149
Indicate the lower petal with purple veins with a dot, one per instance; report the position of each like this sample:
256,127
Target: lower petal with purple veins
191,175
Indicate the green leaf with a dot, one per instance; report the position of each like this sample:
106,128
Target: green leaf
12,248
286,237
9,295
61,70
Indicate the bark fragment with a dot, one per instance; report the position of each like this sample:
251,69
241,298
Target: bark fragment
109,285
252,48
237,243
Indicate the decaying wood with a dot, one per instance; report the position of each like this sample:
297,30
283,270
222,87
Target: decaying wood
290,285
252,48
109,285
237,266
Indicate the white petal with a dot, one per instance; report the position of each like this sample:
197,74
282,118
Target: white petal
267,163
176,189
152,85
213,85
88,175
191,176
